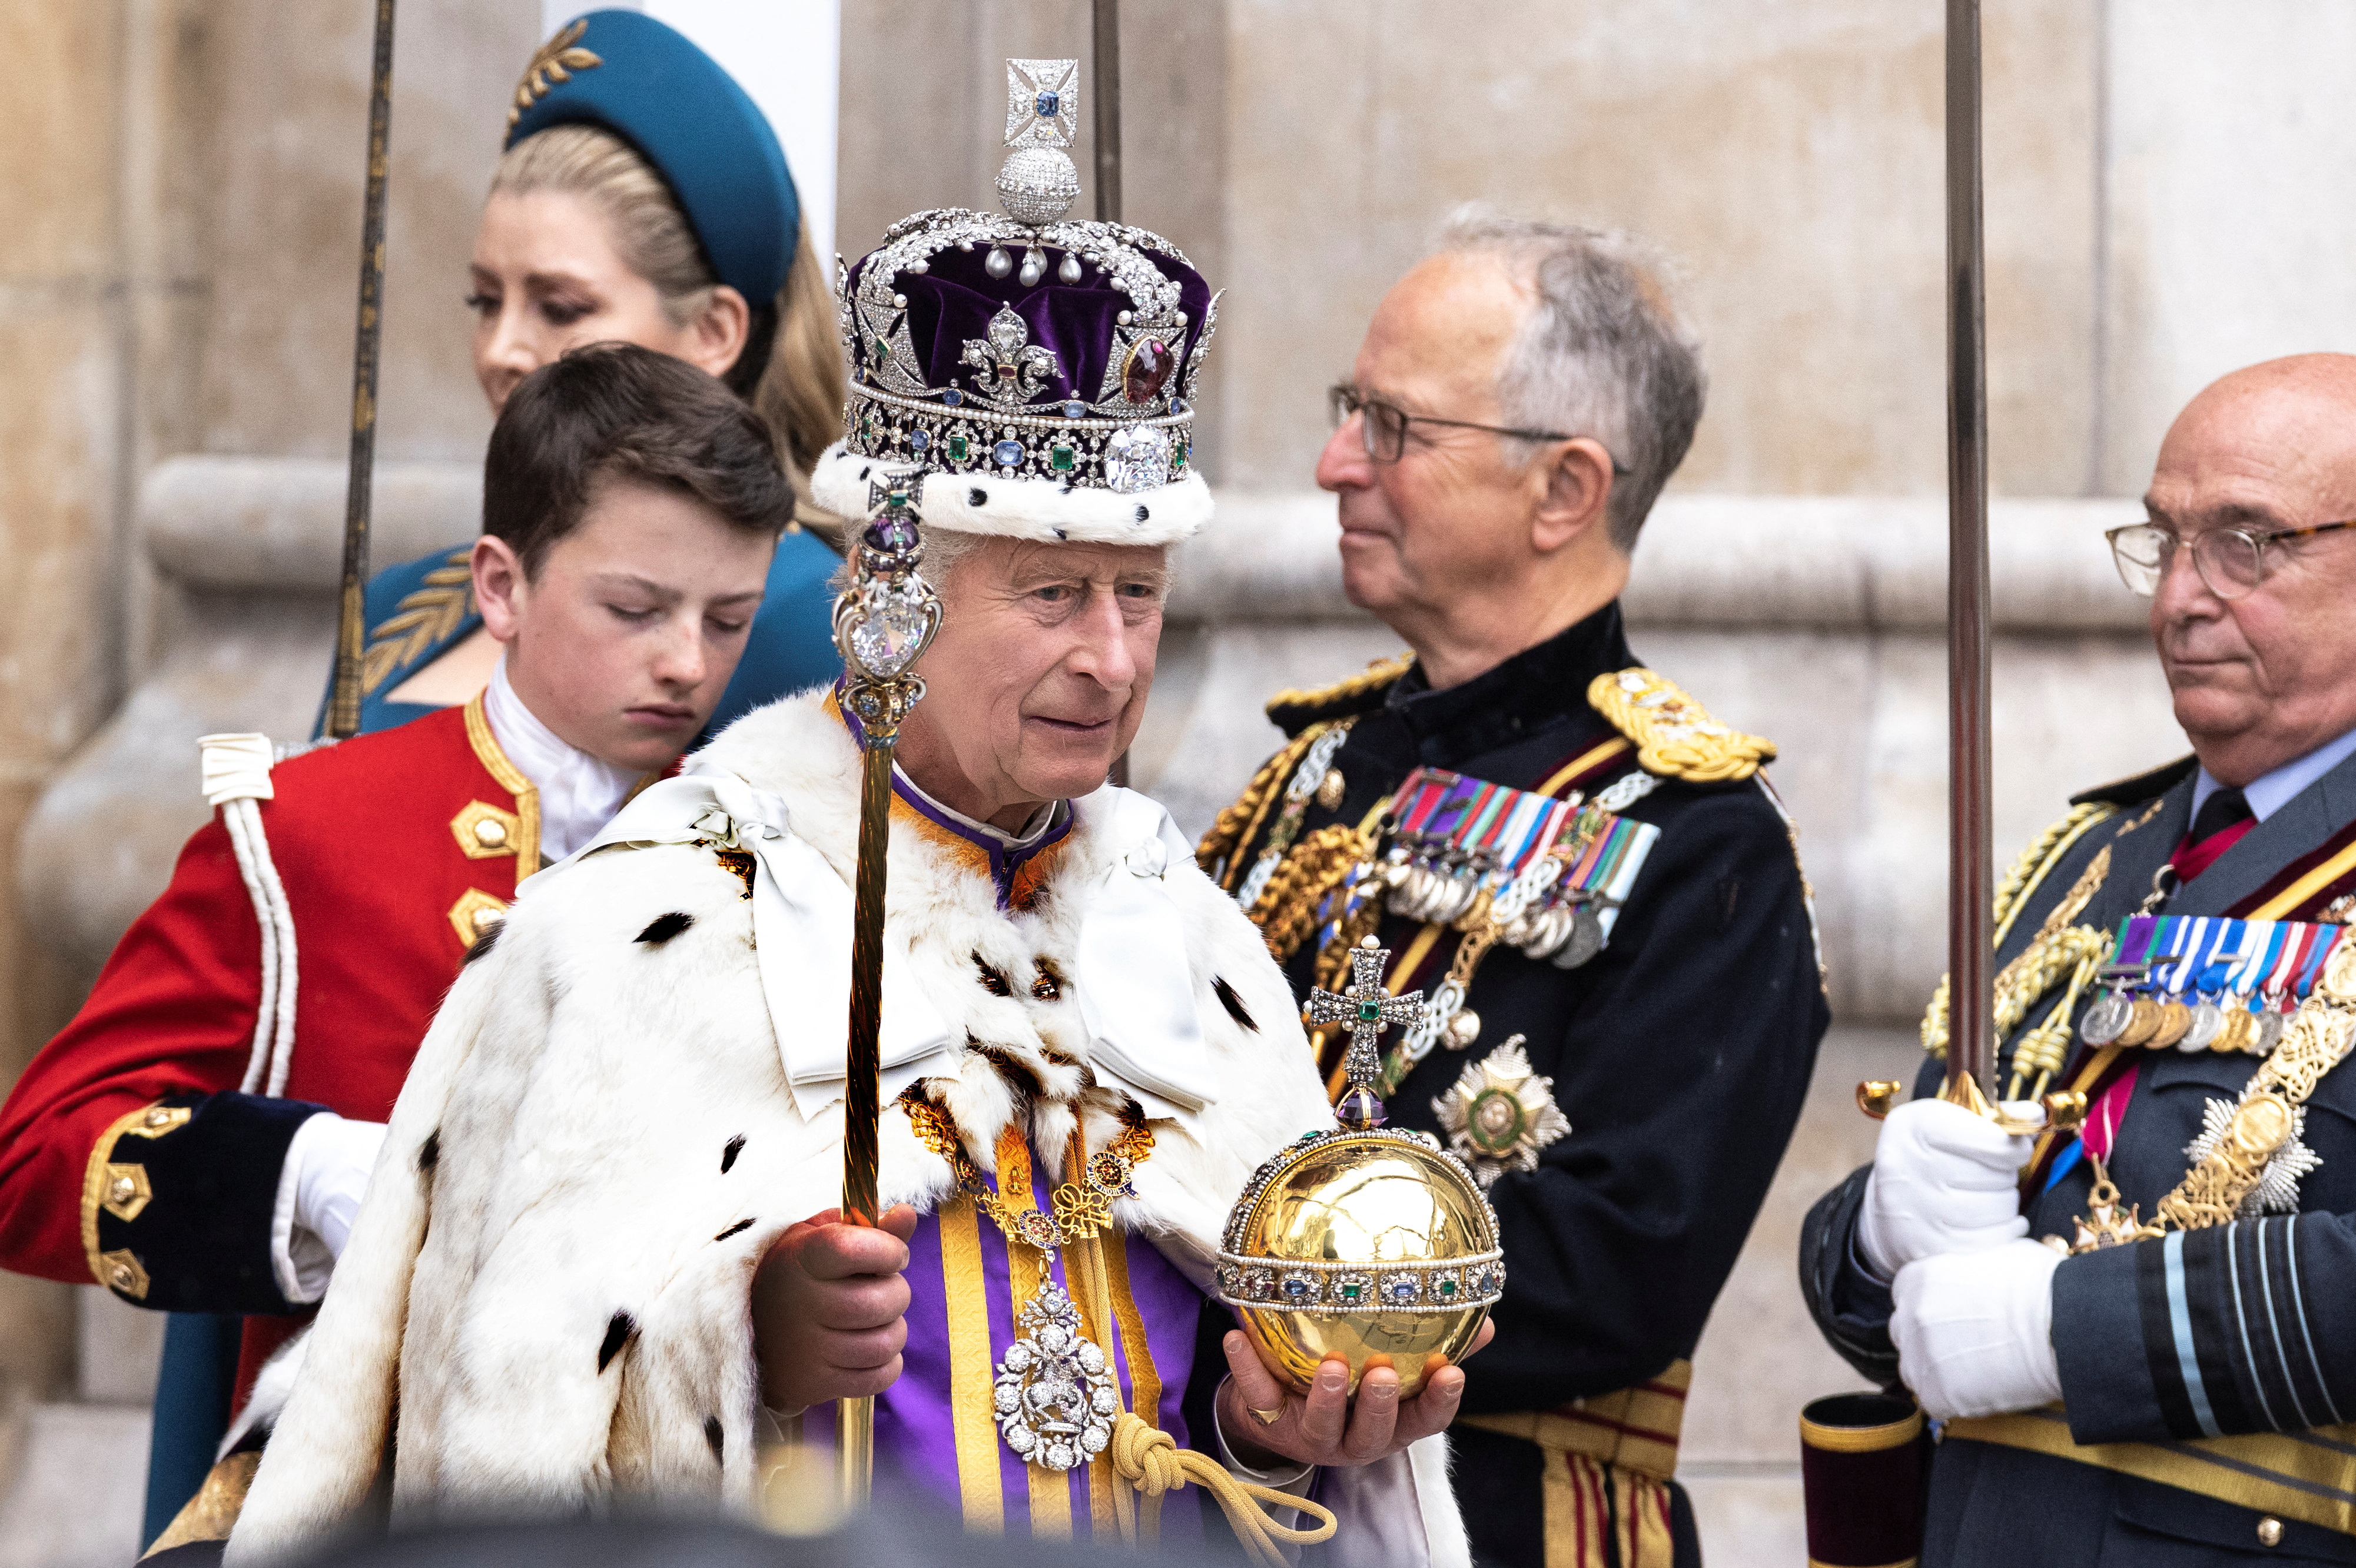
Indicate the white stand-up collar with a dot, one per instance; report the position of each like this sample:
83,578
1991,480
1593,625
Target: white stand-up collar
578,793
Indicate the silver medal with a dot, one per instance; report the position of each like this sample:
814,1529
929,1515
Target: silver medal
2208,1017
2270,1031
1586,938
2106,1020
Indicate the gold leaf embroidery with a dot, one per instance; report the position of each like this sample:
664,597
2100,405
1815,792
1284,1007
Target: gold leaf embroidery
420,621
556,61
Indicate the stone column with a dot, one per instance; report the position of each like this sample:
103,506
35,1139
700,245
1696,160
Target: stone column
97,290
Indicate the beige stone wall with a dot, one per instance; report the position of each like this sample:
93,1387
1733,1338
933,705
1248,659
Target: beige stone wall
1787,152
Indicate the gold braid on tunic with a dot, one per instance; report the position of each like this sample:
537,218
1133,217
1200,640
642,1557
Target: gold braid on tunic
2028,873
1239,825
1285,909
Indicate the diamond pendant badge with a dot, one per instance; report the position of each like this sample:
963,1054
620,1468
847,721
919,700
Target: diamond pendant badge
1501,1114
1054,1398
2277,1190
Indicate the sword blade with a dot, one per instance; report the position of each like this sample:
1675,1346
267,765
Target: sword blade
1970,874
1104,73
1104,70
351,619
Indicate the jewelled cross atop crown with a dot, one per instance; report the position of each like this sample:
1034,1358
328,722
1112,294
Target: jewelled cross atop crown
1050,364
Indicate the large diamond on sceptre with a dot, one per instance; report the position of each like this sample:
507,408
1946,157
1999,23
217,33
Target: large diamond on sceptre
887,615
1361,1241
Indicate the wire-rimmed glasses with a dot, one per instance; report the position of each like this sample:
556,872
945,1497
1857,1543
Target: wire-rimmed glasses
2232,561
1383,428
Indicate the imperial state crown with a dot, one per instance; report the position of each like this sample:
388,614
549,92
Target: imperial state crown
1051,365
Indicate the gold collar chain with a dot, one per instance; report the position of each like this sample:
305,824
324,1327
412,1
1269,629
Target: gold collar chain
1082,1207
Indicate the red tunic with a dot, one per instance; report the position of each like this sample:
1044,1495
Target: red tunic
396,851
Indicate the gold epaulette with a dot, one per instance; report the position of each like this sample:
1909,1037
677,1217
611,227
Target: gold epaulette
1676,737
1291,708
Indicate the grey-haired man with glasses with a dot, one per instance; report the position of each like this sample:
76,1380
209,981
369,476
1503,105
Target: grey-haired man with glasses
2141,1334
1587,880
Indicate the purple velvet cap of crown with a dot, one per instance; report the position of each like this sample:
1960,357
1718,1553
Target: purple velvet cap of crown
952,303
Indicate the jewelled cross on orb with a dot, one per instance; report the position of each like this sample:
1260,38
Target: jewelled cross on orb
1365,1009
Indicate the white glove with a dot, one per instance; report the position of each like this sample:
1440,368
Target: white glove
1975,1332
1943,1180
319,1191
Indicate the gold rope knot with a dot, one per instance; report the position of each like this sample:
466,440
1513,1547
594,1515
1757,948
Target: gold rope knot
1150,1461
1146,1457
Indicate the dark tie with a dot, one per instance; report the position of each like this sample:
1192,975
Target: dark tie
2222,819
2224,808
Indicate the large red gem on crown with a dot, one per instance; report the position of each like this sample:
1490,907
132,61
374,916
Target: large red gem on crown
1146,370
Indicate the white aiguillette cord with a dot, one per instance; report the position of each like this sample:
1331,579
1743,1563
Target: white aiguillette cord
235,769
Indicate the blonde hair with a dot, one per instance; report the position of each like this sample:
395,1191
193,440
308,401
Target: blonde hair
793,352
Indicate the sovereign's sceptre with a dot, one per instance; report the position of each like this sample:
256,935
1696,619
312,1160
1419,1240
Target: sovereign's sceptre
883,620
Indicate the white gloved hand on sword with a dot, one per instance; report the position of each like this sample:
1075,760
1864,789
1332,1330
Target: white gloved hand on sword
1945,1181
1974,1330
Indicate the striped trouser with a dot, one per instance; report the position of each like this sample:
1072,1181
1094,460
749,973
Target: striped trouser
1608,1463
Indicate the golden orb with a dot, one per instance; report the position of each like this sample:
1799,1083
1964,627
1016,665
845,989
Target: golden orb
1359,1242
1369,1244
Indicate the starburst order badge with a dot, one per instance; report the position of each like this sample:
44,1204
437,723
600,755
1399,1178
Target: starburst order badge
1499,1113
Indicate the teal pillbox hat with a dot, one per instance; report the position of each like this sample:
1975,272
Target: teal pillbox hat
648,84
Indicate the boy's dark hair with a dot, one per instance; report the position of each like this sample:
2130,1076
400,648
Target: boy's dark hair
614,411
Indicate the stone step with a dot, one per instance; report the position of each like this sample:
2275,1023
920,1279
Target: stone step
79,1487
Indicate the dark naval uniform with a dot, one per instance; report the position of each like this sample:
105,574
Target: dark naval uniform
1679,1053
2206,1374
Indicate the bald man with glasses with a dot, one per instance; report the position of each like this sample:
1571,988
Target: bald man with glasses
1582,874
2141,1335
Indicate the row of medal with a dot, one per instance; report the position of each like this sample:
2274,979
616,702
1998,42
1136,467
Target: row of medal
1556,871
2206,983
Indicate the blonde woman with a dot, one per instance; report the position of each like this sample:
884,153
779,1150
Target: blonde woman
642,198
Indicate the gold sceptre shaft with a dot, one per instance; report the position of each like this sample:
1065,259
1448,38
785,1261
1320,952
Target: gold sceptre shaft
882,621
351,615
